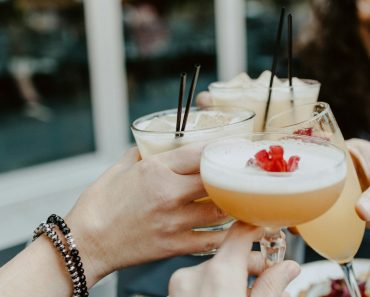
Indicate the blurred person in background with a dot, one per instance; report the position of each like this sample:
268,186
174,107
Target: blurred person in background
335,50
36,48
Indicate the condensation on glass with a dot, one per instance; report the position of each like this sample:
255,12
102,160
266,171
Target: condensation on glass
45,106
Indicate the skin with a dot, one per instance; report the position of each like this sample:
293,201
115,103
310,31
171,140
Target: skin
226,274
137,211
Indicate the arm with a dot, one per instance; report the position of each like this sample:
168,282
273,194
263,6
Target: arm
137,211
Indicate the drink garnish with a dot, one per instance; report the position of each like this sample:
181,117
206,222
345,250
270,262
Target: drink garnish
339,289
304,132
273,160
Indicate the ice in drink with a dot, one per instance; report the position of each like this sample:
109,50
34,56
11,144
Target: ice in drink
155,133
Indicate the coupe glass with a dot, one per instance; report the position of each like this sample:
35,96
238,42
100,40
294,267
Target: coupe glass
273,199
337,234
157,139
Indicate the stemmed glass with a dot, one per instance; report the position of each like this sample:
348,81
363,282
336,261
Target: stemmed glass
338,233
235,182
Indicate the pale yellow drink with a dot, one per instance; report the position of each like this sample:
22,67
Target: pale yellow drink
155,133
269,210
333,238
253,93
273,199
338,233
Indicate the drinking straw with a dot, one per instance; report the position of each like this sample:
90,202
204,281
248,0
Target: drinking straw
191,95
179,105
290,55
274,62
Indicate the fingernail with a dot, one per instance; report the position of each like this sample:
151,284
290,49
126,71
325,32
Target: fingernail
292,268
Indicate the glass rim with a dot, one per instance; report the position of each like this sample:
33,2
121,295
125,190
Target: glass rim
316,140
251,115
310,83
313,118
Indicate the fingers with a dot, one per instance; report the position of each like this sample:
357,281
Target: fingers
204,99
238,244
201,242
184,160
256,263
359,150
188,188
198,214
130,157
274,280
363,206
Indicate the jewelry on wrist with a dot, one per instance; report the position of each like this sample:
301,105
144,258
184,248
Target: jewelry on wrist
70,255
58,221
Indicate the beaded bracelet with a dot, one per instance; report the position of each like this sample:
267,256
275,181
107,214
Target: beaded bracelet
71,259
58,221
45,228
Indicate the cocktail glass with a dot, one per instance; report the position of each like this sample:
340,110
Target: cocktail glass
155,133
273,199
253,95
337,234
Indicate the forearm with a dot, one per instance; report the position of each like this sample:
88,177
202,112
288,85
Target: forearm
37,271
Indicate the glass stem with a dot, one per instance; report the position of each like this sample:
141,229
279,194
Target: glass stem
273,246
350,279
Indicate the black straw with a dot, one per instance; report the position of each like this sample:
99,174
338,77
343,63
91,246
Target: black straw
274,62
290,50
191,95
179,105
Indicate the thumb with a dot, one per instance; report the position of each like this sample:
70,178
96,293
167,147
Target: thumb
274,280
204,99
363,206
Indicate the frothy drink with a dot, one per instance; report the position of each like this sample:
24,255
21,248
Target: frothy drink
253,94
155,133
273,199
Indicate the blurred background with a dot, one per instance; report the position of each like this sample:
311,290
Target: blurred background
74,74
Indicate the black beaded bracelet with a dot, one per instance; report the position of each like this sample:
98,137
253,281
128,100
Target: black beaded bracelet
80,288
47,229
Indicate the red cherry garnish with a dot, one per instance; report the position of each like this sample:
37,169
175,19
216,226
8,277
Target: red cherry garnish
273,160
339,289
293,163
305,132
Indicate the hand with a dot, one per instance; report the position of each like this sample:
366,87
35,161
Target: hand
204,99
360,152
143,210
363,206
226,274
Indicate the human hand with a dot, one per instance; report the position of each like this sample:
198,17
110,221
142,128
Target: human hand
204,99
226,274
143,210
360,152
363,206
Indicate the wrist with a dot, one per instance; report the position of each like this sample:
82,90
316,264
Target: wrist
88,243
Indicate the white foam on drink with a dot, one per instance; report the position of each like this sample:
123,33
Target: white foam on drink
224,165
196,120
264,79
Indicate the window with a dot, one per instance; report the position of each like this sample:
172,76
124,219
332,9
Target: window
45,97
163,39
262,17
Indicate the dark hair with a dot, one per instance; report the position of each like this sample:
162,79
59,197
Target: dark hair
335,55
